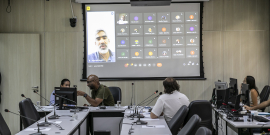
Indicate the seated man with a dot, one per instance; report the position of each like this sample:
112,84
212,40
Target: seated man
170,102
100,93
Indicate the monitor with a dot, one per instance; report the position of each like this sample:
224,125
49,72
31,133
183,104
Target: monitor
69,93
221,85
233,86
245,93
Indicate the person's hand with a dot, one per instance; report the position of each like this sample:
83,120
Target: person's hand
80,93
247,107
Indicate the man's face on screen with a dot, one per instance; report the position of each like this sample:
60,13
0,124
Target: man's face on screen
102,42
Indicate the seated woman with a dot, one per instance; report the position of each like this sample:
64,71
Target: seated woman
64,83
254,97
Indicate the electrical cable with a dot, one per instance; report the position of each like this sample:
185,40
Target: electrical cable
8,7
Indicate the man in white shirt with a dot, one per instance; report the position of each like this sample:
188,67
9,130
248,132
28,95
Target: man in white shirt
170,102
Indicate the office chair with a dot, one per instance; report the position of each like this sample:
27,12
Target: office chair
178,119
203,131
191,125
203,109
116,92
27,109
4,130
264,95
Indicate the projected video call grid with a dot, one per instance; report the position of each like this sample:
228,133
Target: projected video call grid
163,35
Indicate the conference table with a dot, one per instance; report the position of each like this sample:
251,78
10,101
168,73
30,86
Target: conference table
112,120
154,126
225,126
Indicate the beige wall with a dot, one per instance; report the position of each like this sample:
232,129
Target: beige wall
235,44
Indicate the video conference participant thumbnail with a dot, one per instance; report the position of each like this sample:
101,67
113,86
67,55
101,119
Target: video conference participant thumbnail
103,54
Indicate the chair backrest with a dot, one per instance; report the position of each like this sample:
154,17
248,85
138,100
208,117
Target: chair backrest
190,126
27,109
264,95
4,130
203,131
178,119
203,109
116,92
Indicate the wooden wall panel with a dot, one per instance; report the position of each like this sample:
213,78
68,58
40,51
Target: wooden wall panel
20,67
235,44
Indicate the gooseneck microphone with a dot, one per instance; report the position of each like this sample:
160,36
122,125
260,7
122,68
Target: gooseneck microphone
43,123
136,111
38,131
54,116
131,95
68,100
38,124
139,121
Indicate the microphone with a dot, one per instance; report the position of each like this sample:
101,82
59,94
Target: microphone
135,113
38,131
54,116
131,96
144,100
43,123
139,121
38,124
75,116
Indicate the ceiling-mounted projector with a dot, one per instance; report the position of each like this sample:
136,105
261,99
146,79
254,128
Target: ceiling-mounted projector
150,2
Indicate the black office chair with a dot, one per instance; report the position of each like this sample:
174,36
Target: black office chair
4,130
191,125
178,119
27,109
203,131
203,109
116,92
264,95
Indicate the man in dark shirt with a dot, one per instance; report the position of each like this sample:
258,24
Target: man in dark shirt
100,93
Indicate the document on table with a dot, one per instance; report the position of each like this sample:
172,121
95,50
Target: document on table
51,121
35,129
148,119
153,126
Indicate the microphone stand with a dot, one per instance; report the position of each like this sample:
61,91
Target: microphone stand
54,116
131,97
38,130
139,121
135,108
75,115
